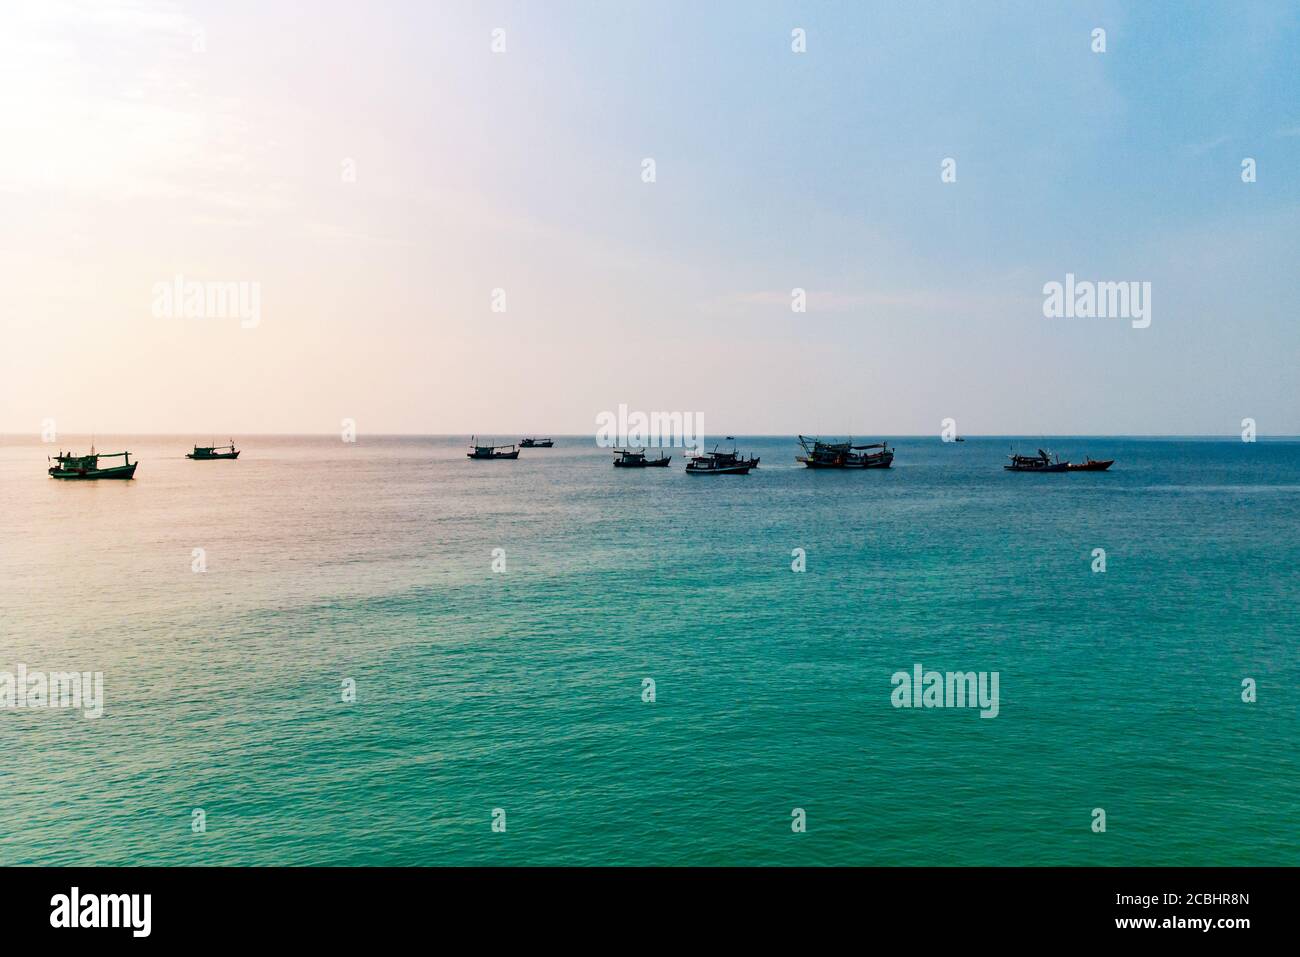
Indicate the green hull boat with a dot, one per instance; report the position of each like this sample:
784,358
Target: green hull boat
87,466
205,453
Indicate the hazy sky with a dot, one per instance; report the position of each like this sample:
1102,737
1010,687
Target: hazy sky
145,140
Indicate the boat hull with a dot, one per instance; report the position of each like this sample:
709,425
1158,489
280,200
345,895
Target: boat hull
1054,467
495,455
657,463
880,462
118,472
206,458
721,470
1092,466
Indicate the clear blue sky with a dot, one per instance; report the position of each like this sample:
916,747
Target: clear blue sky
137,158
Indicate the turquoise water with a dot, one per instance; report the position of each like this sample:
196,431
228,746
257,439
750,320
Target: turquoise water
522,690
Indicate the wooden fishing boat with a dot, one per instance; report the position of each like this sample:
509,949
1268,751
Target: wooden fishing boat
719,462
206,452
732,456
477,451
635,459
1042,462
844,455
1092,465
67,466
536,443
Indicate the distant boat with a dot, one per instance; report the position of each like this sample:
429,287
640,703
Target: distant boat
536,443
1092,465
477,451
1042,462
960,438
844,455
205,452
68,466
635,459
721,463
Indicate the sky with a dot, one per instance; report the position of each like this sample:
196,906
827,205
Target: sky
377,171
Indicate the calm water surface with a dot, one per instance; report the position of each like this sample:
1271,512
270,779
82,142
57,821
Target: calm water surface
522,690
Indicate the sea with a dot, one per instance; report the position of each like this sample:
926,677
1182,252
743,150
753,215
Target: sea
382,653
